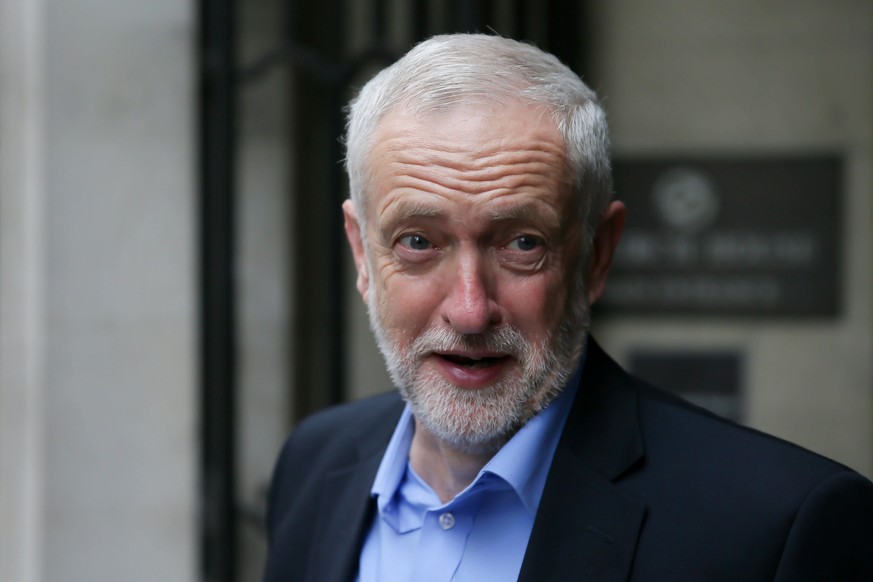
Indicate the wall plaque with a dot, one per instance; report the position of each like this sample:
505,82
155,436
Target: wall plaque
712,379
728,236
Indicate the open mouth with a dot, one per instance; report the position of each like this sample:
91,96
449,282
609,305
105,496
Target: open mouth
473,362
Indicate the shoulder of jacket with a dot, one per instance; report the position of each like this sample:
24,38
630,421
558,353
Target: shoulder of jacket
347,422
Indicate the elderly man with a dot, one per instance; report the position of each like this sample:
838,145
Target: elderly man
482,230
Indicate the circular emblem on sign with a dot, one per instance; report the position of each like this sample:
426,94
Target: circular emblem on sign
685,199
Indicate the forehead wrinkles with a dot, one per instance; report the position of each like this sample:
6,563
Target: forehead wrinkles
443,166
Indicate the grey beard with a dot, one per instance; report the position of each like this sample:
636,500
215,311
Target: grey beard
481,421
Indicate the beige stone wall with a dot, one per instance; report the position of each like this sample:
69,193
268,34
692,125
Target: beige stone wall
99,364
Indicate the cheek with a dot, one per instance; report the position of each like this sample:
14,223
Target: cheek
407,304
534,304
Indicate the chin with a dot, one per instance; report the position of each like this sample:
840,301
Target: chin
483,420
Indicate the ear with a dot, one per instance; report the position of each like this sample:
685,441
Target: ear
605,241
356,242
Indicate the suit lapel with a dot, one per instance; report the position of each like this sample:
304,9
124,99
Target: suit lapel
348,511
584,527
585,524
337,540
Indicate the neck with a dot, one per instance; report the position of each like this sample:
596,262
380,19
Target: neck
446,469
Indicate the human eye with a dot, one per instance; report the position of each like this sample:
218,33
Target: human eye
415,242
525,243
524,252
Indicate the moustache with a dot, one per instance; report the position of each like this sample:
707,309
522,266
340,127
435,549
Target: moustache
504,339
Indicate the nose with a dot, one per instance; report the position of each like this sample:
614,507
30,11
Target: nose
469,306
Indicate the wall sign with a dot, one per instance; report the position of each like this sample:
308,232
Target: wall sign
711,379
756,236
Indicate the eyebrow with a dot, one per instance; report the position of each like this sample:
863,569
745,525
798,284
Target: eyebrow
524,212
406,209
514,212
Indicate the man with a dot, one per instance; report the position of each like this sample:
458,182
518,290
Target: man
482,230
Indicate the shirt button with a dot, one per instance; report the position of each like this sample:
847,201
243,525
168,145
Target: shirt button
447,520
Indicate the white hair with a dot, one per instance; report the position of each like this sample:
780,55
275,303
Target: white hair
461,69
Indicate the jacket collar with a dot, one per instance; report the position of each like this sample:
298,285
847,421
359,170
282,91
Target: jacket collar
603,430
585,524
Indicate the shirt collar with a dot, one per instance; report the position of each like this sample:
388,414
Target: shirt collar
523,462
393,464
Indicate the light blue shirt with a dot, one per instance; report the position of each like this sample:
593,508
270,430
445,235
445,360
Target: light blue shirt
483,532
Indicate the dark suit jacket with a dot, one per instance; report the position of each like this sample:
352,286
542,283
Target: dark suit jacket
643,486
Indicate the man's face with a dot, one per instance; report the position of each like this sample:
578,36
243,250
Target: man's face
472,267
